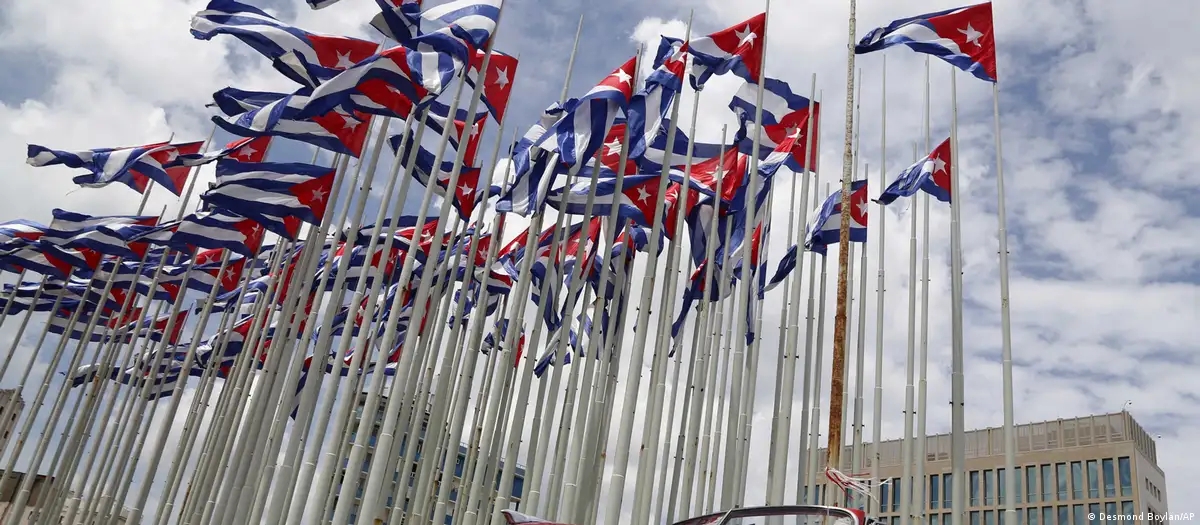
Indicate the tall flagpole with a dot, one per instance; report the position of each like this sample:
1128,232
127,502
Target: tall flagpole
877,409
919,495
957,388
1010,438
803,481
815,430
836,385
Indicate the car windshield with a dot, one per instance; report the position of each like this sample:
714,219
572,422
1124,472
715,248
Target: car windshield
796,515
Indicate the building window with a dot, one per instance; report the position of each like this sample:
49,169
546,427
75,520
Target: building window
1127,510
1017,475
1047,515
1000,487
1061,470
989,517
974,497
933,492
1000,516
947,490
896,495
1064,515
1110,510
975,517
1126,483
1077,479
1079,516
1094,513
1109,485
1047,483
989,486
1093,473
1020,517
883,496
1031,515
1031,494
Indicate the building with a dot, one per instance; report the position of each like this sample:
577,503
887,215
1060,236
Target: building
8,421
38,492
1090,470
518,477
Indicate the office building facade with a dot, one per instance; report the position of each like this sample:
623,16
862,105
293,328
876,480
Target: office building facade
8,421
1093,470
412,472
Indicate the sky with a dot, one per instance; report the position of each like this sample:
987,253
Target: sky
1102,196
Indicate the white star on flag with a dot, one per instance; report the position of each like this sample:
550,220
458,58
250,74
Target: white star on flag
318,195
973,36
623,76
642,194
172,154
466,189
350,122
501,78
343,61
246,152
938,164
862,208
745,36
614,147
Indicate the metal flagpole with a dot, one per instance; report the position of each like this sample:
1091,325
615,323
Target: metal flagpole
306,502
919,492
839,324
957,432
701,386
803,480
652,424
813,460
1010,437
906,484
725,334
312,387
860,359
633,377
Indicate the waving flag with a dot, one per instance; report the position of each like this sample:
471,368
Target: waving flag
578,135
20,229
133,166
931,173
497,82
399,20
529,186
323,55
649,108
470,24
784,114
738,49
336,130
218,229
825,227
962,36
267,191
466,194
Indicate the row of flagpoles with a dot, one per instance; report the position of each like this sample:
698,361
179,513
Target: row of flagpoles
281,421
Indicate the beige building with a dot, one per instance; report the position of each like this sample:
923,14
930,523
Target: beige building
8,422
1088,470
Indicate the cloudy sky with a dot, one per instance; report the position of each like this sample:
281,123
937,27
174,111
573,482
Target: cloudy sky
1103,199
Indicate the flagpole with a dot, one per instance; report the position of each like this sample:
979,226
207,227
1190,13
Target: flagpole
452,368
957,432
877,406
1010,438
652,424
907,488
924,366
808,448
703,381
312,387
817,376
725,334
463,389
633,375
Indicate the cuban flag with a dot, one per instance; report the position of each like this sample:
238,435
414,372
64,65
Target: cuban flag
648,110
824,228
497,82
931,174
962,36
401,19
20,229
737,49
466,195
268,191
580,133
321,57
469,26
133,166
260,114
218,229
529,185
784,114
